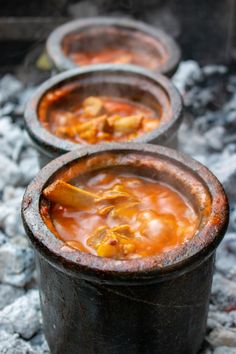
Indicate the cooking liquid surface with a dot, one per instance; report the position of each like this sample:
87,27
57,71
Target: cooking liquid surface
95,119
116,56
150,217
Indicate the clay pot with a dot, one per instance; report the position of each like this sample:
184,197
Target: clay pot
89,35
157,304
125,81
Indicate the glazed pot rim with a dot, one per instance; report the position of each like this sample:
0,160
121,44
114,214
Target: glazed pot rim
62,62
53,145
181,259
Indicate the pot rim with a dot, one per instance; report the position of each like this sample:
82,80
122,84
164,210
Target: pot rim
179,260
53,145
62,61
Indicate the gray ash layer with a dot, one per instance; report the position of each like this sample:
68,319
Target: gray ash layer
208,134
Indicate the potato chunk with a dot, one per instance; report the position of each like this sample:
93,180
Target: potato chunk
127,124
92,106
113,242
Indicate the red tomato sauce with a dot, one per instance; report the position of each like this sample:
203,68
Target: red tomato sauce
95,119
133,217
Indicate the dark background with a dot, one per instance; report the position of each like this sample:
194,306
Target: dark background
205,29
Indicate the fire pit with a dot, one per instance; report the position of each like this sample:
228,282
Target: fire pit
121,41
99,295
60,99
207,135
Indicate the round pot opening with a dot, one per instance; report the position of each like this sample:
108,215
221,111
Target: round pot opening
135,86
188,177
117,41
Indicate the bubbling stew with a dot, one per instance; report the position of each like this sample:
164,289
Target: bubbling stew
95,119
116,214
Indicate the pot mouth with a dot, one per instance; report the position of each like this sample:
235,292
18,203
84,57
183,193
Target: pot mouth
128,81
186,175
126,32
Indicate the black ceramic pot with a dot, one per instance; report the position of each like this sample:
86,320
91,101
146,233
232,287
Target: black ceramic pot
102,32
157,304
133,83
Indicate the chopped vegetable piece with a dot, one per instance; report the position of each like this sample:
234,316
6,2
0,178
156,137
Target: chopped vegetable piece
127,124
92,106
113,195
89,135
106,210
97,123
97,237
125,211
107,250
71,196
64,132
114,242
123,229
65,194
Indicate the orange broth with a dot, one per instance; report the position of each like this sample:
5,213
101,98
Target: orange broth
115,56
147,218
95,119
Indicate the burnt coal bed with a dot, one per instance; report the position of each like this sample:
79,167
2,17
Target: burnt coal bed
208,134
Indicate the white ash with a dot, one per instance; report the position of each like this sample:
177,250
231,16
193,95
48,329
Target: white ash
12,344
16,264
220,336
16,317
224,350
10,219
3,238
10,172
187,75
9,294
208,134
224,293
20,317
9,86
